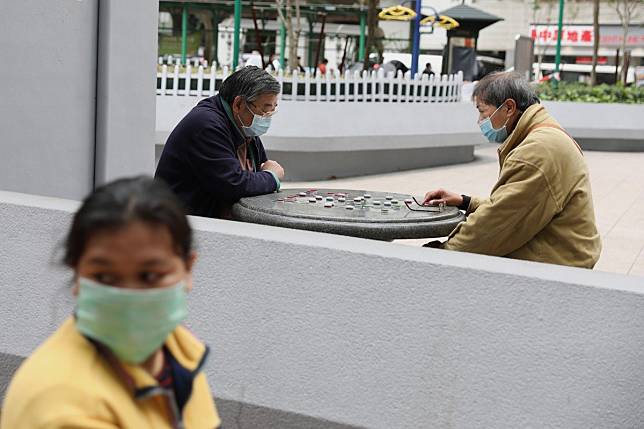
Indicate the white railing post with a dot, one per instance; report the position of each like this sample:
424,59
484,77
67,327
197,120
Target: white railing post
374,86
175,80
414,95
318,87
430,89
365,78
356,83
338,85
327,87
347,85
446,90
424,86
187,79
388,86
419,87
164,79
280,80
200,81
213,79
307,85
459,87
452,87
409,85
294,77
399,85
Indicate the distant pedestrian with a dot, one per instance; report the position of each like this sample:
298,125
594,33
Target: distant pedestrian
322,66
300,68
428,70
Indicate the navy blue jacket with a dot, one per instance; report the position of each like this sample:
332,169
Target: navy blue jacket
199,162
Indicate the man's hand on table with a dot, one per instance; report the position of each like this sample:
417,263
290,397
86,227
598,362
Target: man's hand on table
273,166
434,198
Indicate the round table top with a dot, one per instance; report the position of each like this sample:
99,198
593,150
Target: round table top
358,213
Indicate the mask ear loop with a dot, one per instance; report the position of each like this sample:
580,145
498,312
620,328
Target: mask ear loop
490,118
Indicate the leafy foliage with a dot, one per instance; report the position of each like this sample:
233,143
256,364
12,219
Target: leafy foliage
598,94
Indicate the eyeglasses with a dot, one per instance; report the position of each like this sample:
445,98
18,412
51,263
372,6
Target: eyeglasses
423,208
263,114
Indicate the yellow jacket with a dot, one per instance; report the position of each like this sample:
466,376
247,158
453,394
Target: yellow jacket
541,208
70,383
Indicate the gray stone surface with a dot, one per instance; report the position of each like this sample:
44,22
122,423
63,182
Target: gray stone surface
368,220
8,366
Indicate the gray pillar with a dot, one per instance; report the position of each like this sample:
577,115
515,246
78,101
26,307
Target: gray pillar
126,88
47,96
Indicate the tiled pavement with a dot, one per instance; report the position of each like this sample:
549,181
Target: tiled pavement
618,191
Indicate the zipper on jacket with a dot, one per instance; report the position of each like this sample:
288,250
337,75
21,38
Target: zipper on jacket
172,403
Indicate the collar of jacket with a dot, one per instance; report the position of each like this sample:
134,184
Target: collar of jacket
229,112
533,115
185,348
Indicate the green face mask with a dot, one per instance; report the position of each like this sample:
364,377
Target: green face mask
132,323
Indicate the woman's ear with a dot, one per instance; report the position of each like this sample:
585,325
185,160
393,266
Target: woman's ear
190,262
76,286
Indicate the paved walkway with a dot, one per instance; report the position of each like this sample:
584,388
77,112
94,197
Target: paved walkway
618,190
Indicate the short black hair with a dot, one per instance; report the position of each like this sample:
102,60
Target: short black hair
116,204
497,87
248,82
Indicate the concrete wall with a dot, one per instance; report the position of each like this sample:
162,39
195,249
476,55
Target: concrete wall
126,88
309,327
47,101
76,76
321,140
326,139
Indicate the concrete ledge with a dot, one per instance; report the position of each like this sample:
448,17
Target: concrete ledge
371,334
609,127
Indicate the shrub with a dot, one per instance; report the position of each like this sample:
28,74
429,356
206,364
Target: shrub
591,94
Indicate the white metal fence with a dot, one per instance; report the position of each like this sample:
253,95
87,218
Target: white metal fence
348,87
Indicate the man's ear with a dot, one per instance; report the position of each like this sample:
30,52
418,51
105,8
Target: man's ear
237,104
511,105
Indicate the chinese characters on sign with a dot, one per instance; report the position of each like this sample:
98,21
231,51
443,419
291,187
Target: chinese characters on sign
583,35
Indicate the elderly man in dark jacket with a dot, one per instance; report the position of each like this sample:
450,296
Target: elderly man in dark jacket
214,156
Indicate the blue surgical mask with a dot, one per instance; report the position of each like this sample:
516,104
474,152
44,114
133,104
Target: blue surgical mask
258,127
493,135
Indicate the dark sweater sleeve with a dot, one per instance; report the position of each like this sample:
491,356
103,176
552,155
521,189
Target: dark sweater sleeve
217,167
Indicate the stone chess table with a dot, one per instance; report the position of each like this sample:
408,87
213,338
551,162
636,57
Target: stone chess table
366,214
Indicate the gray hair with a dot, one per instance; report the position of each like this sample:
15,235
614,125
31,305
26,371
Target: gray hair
497,87
249,82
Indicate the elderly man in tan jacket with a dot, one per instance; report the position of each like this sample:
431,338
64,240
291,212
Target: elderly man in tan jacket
541,208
